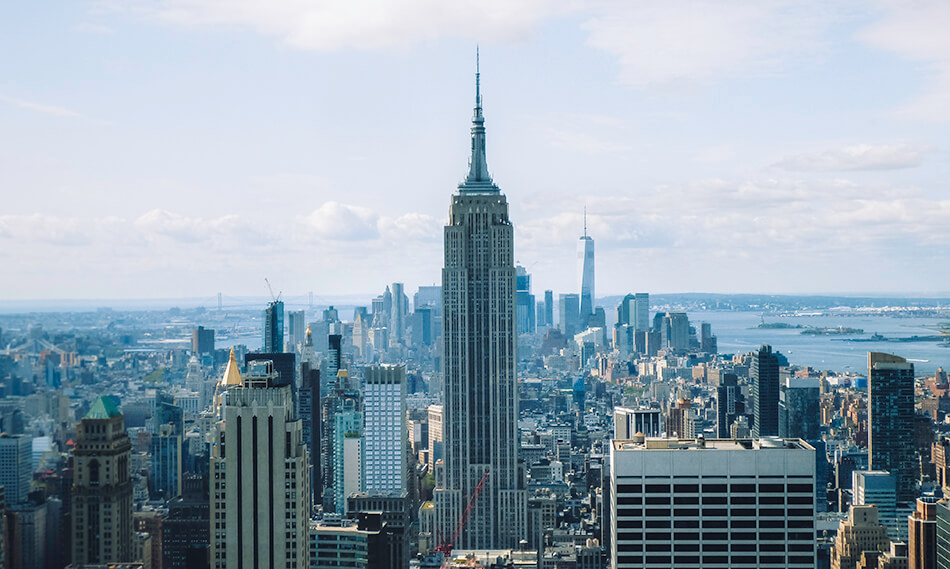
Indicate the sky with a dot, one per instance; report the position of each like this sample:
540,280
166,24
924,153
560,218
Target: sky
181,148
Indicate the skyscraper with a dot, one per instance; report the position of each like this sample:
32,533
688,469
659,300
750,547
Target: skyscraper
524,301
585,273
384,408
692,503
624,308
398,315
569,314
730,404
798,409
296,329
549,308
260,503
640,314
273,329
764,376
308,410
102,488
16,466
891,420
480,387
922,535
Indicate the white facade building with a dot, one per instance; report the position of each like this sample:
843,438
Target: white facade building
260,505
384,433
713,504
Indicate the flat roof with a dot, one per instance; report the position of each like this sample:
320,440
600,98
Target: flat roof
768,443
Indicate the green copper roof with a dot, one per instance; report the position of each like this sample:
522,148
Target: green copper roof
104,407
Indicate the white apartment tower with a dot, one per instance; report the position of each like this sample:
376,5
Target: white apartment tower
720,503
384,433
480,393
260,506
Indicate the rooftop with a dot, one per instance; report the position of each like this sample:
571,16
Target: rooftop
103,407
769,443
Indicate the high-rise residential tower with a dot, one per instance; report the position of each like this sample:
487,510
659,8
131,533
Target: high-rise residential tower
102,488
480,393
764,376
384,447
891,420
585,271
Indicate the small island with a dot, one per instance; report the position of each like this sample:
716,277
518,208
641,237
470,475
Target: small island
838,331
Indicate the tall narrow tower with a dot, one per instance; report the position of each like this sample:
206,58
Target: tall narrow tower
891,420
102,487
260,501
480,397
585,271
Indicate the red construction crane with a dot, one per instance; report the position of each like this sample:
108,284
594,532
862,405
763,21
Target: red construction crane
446,546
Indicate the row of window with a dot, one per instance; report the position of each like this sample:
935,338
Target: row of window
712,500
713,488
717,547
714,512
722,524
722,536
694,560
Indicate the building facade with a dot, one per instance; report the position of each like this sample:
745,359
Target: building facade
102,488
480,392
260,500
764,376
16,466
891,420
712,503
384,434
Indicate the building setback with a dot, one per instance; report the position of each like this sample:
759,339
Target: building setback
480,393
712,503
260,504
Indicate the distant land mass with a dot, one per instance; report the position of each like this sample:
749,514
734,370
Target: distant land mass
693,301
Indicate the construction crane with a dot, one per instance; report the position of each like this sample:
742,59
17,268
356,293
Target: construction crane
271,289
446,546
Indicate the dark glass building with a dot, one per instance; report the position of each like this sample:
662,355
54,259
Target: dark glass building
891,420
764,376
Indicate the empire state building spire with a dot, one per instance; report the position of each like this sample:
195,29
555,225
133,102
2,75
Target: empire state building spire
478,179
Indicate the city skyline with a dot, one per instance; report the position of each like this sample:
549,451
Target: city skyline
141,136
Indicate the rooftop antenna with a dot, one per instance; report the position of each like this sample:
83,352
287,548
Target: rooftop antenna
585,221
478,75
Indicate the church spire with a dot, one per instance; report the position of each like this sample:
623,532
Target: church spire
478,179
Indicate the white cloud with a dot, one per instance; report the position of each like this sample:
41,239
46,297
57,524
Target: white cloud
54,110
183,229
410,226
679,44
858,157
343,222
327,25
918,32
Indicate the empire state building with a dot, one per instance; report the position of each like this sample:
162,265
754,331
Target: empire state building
480,473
